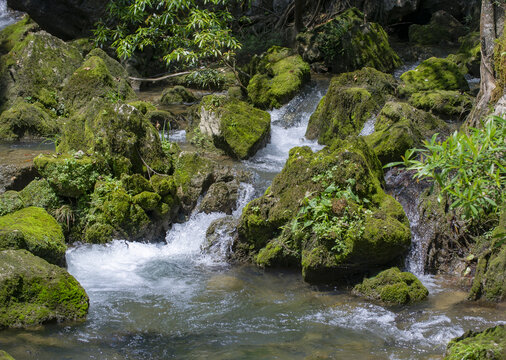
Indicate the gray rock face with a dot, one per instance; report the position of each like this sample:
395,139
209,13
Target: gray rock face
67,19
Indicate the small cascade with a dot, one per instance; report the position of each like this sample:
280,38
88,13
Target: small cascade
406,67
7,16
368,128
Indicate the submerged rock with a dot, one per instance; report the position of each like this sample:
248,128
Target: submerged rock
443,28
487,344
347,43
277,77
233,125
392,287
352,99
433,74
35,230
32,291
327,213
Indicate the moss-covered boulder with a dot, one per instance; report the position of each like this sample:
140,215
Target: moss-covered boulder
443,28
233,125
277,76
39,193
35,230
352,99
177,95
487,344
143,106
33,292
10,201
392,287
468,57
96,78
400,127
5,356
433,74
70,175
120,134
36,63
347,43
221,197
444,103
26,121
15,33
490,278
326,213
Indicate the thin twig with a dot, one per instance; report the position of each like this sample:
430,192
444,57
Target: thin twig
160,78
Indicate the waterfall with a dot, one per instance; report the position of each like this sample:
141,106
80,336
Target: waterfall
7,16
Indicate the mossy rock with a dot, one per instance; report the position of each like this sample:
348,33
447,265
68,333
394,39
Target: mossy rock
5,356
70,175
10,201
399,127
234,126
392,287
39,193
147,200
221,197
177,95
433,74
120,134
15,33
447,104
280,74
26,121
115,68
143,106
266,226
347,43
33,229
468,57
352,98
443,28
40,61
487,344
33,292
94,78
135,184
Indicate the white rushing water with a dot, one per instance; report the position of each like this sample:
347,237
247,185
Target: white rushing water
368,128
7,16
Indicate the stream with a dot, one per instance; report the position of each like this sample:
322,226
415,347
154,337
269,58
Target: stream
171,300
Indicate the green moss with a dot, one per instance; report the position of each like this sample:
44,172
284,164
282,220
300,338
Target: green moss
5,356
15,33
347,43
500,67
10,201
177,95
35,230
468,57
488,344
94,79
135,184
32,291
98,233
116,70
279,76
70,175
163,185
448,104
433,74
392,287
143,106
147,200
351,100
443,28
39,193
24,120
235,126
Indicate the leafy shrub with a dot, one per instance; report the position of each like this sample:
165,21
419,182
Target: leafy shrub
468,167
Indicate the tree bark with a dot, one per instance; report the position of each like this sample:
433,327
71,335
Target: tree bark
299,10
491,26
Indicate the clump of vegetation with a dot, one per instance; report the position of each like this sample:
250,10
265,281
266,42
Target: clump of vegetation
470,168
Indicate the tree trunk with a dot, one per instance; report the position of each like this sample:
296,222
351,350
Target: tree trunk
491,27
299,10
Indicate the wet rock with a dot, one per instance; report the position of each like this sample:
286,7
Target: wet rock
35,230
352,98
487,344
220,236
66,19
233,125
468,57
277,76
392,287
443,28
24,121
433,74
221,197
300,220
177,95
35,292
452,105
347,43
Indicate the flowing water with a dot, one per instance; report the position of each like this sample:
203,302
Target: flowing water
172,300
7,16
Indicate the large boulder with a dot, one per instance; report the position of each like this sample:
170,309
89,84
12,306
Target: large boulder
352,98
468,57
66,19
447,104
392,287
37,193
177,95
277,76
400,127
433,74
443,28
233,125
33,292
26,121
347,43
489,344
35,230
221,197
326,213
